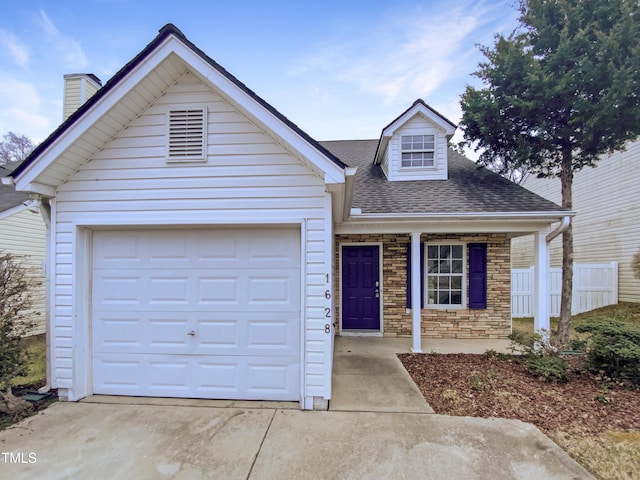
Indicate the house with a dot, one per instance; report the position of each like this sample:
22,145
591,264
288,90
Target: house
606,227
23,233
204,246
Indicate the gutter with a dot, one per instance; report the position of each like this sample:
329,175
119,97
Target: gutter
564,224
462,215
45,211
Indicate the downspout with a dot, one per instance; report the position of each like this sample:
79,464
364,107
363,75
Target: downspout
564,224
45,211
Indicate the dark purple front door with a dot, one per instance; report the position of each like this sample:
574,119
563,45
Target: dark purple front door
360,287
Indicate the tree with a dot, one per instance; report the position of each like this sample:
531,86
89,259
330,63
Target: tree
15,147
560,91
16,299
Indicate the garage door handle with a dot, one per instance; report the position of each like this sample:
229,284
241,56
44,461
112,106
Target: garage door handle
191,333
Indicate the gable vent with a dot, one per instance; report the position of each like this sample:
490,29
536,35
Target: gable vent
187,135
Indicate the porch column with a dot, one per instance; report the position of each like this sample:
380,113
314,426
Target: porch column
416,293
541,300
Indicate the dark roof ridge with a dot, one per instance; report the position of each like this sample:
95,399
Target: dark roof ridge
164,32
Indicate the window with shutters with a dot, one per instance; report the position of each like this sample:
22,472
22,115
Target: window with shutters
452,275
445,271
187,136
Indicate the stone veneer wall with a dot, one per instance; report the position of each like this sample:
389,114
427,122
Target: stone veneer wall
492,322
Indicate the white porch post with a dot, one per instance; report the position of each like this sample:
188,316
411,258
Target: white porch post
416,292
541,310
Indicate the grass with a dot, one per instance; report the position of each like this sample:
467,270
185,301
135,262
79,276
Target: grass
37,354
609,455
623,311
35,378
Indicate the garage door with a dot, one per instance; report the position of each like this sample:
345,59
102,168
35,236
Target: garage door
197,313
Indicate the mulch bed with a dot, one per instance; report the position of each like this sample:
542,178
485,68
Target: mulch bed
485,386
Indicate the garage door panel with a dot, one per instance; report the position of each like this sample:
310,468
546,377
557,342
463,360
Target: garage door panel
197,313
142,332
270,334
188,376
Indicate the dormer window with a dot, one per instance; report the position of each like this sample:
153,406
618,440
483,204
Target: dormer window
418,151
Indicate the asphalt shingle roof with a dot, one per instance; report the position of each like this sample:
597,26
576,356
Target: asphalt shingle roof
9,198
470,187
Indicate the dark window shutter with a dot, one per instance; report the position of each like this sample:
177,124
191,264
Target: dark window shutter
409,275
477,275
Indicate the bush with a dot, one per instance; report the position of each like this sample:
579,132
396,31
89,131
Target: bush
540,358
16,286
614,348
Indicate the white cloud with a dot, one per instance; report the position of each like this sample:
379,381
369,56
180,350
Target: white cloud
67,48
15,48
21,112
405,57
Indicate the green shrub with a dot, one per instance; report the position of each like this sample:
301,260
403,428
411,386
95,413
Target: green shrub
540,358
614,349
552,368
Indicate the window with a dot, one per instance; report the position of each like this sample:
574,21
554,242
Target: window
451,275
445,274
187,135
418,151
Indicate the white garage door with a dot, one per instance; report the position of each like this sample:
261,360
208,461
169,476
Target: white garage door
197,313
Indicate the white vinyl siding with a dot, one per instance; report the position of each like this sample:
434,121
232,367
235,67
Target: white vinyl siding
607,225
23,233
249,179
418,126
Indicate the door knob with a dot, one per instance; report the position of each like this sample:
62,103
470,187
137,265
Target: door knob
191,333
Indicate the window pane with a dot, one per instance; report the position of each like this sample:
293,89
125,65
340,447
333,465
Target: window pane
432,266
456,283
443,298
456,266
432,283
456,298
445,266
445,251
443,283
432,252
456,251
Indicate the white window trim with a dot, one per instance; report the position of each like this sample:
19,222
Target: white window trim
465,276
196,158
421,168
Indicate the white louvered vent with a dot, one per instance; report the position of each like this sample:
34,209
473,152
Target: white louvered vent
187,135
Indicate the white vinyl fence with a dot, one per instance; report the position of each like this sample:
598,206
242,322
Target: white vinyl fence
595,285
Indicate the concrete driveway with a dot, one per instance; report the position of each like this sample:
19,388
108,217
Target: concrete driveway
202,441
378,427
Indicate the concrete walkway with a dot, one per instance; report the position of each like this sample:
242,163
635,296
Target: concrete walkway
378,429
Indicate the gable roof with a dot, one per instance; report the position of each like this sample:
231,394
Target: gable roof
418,107
117,82
469,189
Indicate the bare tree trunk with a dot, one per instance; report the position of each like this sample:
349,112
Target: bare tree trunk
566,181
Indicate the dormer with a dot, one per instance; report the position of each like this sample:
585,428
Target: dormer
414,145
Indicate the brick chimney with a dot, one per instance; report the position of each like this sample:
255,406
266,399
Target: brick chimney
78,88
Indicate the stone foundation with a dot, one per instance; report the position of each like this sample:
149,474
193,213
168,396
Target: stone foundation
492,322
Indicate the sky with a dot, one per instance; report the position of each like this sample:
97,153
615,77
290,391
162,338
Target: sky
338,69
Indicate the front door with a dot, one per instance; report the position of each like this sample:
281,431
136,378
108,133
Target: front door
361,287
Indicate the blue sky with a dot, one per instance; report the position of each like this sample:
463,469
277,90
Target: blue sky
338,69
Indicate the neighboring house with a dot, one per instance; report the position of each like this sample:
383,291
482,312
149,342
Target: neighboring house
204,246
23,233
606,227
